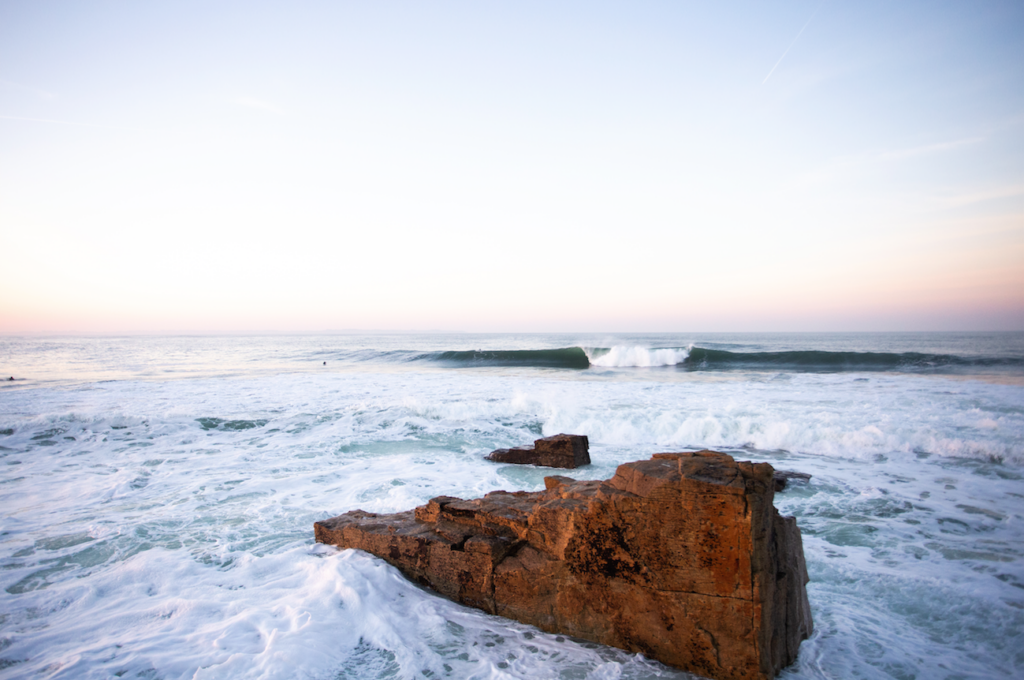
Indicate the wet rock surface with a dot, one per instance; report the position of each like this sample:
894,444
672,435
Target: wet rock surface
561,451
682,557
784,478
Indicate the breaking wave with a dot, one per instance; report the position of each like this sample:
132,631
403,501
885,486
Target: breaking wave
705,359
623,356
817,360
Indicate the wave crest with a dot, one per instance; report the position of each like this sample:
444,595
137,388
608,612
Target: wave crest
622,356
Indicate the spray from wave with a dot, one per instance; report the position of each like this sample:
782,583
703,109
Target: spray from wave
623,356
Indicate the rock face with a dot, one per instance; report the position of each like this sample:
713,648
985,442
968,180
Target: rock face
561,450
682,557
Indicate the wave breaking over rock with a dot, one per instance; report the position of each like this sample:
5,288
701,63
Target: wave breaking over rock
682,557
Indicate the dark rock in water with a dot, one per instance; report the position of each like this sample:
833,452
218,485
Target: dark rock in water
561,450
783,477
682,557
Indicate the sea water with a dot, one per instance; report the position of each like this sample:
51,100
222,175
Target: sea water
158,494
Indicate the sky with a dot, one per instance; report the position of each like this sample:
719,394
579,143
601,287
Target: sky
511,166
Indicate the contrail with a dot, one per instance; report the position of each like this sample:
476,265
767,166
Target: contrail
792,43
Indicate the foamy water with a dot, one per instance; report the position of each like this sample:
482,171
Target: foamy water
624,356
163,528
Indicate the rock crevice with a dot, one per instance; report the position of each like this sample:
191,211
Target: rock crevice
682,557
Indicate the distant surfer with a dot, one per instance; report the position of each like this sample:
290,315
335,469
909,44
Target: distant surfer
12,377
325,363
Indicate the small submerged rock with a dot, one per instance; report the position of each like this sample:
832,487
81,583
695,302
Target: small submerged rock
561,451
783,478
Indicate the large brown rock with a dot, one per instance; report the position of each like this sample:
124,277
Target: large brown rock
682,557
561,450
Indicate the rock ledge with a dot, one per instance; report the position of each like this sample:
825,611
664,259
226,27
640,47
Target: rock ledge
681,557
561,450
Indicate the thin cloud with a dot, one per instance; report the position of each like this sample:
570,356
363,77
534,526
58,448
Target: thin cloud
991,194
42,94
844,165
70,122
258,104
900,154
792,43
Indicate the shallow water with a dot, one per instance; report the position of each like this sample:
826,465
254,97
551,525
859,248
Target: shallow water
161,527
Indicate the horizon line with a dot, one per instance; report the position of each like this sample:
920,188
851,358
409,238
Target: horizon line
358,331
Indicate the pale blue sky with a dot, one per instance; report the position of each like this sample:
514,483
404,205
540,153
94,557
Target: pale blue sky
511,166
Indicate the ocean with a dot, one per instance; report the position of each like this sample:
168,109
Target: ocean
158,494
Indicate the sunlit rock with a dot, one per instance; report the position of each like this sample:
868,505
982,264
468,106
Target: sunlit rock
682,557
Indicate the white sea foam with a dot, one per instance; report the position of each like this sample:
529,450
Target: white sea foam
166,527
831,415
623,356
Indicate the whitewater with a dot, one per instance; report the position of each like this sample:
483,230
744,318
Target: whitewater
158,493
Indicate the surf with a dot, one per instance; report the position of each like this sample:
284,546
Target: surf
565,357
